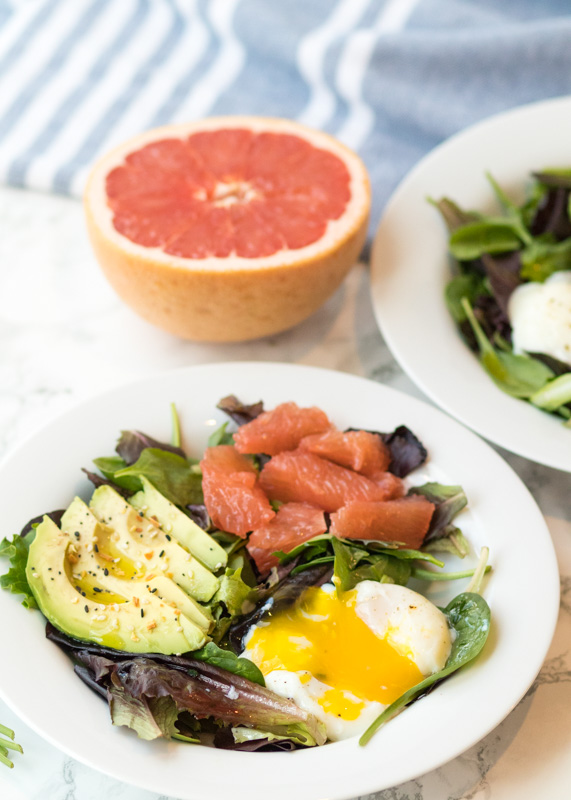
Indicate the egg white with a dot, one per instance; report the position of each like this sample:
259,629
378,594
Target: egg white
540,317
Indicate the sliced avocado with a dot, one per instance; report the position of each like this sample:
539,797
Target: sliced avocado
173,595
128,625
152,550
104,575
151,503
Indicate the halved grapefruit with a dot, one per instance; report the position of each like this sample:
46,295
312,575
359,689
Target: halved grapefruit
228,228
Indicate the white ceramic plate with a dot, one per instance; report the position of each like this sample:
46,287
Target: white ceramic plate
36,678
410,268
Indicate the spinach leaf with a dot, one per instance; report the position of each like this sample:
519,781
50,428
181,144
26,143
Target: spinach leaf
452,214
170,474
469,285
226,659
109,466
513,211
453,542
220,436
541,259
489,235
469,617
351,566
519,376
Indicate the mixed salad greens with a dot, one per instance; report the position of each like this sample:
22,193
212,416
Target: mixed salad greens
212,695
494,255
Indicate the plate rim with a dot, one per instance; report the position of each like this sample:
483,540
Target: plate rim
324,375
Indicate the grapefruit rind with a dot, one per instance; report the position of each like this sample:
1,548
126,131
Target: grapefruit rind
232,298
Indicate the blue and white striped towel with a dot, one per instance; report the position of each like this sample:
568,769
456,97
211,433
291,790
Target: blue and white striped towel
391,78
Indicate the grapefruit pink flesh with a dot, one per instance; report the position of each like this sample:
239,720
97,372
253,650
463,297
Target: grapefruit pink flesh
293,524
403,520
232,496
296,476
359,450
280,429
228,192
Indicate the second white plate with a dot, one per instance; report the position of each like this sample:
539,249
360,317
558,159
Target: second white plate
410,269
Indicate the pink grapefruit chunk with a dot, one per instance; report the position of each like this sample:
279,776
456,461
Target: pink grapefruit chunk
232,496
280,429
293,524
228,228
359,450
404,520
299,477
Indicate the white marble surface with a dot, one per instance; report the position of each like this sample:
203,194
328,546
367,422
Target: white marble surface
65,336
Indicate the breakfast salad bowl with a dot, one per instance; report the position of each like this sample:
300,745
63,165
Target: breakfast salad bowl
118,548
488,270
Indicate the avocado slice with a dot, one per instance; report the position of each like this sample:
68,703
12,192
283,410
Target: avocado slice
160,628
151,550
151,503
101,570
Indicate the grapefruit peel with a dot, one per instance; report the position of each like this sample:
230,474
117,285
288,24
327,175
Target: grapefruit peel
231,298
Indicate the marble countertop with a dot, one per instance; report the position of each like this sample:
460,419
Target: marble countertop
64,336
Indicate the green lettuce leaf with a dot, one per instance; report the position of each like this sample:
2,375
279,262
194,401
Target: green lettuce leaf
170,474
15,579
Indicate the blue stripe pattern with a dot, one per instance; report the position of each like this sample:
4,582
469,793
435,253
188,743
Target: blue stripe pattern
90,146
429,69
55,64
72,104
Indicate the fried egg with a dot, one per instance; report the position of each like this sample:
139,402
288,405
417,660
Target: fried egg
345,657
540,316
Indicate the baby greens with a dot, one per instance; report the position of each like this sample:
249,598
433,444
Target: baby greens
495,254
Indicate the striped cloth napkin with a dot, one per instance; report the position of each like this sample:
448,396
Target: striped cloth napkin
390,78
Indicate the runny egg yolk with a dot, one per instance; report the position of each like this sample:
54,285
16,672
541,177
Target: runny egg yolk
323,637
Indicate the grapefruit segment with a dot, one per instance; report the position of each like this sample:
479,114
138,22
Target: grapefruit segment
404,520
358,450
230,228
299,477
280,429
293,524
232,496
